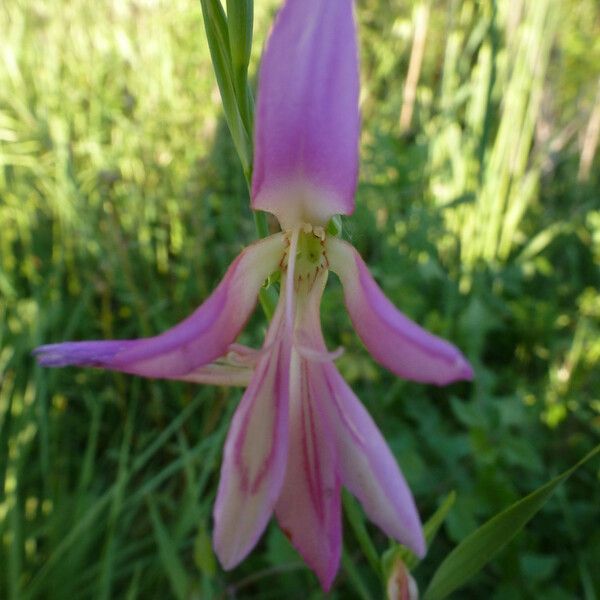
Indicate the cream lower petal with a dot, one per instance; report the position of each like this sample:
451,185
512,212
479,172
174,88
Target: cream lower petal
255,456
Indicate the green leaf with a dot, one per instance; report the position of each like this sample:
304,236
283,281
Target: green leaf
240,21
436,520
473,553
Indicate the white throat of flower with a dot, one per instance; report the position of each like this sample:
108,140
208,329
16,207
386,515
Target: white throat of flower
304,264
305,257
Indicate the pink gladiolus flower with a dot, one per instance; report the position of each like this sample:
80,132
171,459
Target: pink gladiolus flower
299,433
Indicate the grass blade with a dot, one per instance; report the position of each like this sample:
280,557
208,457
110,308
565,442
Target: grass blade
473,553
168,553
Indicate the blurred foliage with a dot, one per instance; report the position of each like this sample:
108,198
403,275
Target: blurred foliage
122,202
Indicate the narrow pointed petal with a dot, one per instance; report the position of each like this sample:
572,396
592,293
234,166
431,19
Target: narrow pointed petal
307,119
368,468
392,338
197,341
255,456
308,509
364,461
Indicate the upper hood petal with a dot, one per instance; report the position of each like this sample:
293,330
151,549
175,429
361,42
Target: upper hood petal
392,338
307,118
201,338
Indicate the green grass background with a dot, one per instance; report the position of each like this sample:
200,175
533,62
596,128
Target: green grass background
121,204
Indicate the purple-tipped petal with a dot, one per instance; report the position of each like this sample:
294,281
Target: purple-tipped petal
307,119
204,336
308,509
82,354
392,338
255,455
367,466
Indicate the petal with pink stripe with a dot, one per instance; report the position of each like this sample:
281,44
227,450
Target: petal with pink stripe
308,509
255,454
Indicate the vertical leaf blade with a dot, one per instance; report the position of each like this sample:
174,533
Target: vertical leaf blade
217,35
240,22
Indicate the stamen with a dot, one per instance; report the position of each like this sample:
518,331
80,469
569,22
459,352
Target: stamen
319,232
243,355
302,344
317,355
